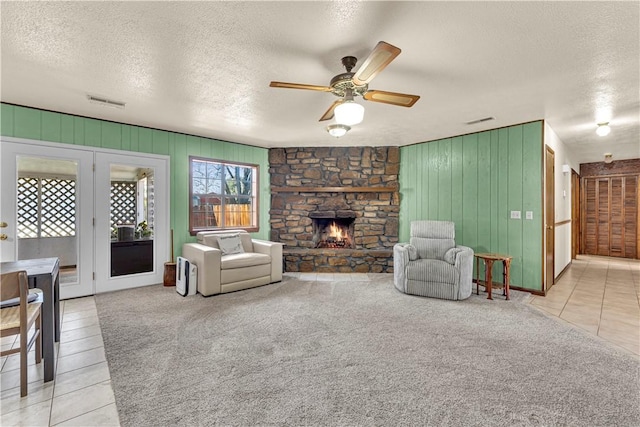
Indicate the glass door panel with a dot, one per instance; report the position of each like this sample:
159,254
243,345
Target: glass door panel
132,224
131,219
47,198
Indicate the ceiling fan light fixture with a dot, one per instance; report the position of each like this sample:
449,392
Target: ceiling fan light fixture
337,130
603,129
349,113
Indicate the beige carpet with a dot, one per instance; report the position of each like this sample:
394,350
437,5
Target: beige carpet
356,353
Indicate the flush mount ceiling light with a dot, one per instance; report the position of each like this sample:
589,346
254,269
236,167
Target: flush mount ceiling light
349,112
337,130
603,129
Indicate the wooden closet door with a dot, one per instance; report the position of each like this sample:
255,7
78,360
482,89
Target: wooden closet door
630,220
590,217
617,217
610,216
603,189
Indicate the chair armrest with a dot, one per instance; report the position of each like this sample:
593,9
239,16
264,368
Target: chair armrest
401,253
465,254
464,264
400,261
207,259
274,250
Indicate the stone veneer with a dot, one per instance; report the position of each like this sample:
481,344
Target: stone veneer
341,181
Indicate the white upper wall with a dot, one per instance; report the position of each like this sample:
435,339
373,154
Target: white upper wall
562,198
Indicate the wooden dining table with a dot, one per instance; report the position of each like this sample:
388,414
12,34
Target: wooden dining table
43,273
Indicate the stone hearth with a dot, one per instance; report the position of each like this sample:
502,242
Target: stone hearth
335,182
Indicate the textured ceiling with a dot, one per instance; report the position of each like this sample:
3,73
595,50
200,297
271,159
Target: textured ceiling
204,68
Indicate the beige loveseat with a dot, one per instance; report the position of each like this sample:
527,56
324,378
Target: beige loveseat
255,263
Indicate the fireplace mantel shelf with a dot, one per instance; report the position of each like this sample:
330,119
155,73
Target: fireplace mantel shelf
333,189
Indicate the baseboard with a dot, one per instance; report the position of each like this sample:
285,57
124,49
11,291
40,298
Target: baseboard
539,293
564,270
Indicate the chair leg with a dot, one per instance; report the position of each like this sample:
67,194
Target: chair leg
23,361
39,339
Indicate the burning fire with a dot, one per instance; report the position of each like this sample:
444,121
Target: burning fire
335,232
332,234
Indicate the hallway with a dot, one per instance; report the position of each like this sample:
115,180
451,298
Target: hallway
600,295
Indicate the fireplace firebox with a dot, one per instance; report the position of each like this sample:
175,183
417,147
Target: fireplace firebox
334,233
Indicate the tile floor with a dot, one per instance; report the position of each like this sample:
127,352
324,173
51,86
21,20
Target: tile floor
598,295
80,395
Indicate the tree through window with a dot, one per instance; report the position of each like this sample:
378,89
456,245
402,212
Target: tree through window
222,195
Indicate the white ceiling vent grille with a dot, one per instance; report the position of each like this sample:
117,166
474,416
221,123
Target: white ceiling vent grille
486,119
105,102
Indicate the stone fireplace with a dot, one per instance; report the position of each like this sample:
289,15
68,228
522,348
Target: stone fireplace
335,209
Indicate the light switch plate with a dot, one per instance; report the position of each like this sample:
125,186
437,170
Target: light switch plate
529,215
515,214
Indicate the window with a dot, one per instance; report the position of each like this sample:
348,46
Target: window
46,207
222,195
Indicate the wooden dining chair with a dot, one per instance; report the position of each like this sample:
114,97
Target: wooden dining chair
18,320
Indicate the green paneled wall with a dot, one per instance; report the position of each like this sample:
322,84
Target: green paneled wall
475,181
22,122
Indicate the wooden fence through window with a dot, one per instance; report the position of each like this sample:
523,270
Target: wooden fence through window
235,215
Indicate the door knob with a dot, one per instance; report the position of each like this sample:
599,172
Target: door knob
3,224
3,236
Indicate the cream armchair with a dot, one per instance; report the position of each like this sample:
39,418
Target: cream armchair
231,260
432,265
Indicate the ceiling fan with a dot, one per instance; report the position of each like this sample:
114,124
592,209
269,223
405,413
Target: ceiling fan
350,84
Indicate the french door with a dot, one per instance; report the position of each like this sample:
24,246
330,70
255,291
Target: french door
132,238
47,209
55,205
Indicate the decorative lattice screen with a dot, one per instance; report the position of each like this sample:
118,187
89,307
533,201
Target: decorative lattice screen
58,216
123,202
28,190
46,207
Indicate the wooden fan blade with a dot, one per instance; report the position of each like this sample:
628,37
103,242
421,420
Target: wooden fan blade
379,58
393,98
329,114
300,86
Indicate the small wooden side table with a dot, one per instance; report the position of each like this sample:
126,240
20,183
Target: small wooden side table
488,260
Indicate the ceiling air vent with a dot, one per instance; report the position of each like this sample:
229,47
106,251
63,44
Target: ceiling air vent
105,102
486,119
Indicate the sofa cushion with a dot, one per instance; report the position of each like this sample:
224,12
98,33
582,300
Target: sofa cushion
413,252
247,274
451,254
432,248
31,297
246,259
432,270
433,229
230,244
210,238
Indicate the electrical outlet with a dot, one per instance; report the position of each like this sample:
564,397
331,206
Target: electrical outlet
529,215
515,214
